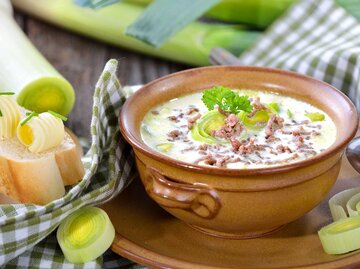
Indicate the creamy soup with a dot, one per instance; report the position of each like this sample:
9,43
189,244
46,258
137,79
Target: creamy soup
278,130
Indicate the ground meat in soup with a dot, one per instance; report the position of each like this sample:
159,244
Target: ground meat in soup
287,136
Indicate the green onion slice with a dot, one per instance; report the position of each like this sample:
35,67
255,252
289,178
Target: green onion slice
61,117
29,117
7,93
338,203
341,236
85,235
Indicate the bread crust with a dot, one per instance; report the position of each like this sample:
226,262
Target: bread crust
41,180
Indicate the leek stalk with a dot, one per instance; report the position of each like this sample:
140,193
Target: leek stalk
38,86
191,45
154,27
260,13
85,235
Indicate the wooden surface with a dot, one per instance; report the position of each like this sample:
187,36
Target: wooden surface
81,60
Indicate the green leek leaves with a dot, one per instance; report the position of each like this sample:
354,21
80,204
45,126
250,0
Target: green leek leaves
163,18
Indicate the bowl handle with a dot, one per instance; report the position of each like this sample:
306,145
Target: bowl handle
197,198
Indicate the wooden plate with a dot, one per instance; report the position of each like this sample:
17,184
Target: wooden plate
148,235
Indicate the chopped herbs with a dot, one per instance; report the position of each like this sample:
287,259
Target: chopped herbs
61,117
7,93
26,120
1,114
226,99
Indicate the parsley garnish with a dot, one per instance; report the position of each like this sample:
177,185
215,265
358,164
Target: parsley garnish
226,99
1,114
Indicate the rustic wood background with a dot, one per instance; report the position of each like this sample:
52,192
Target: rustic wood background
81,60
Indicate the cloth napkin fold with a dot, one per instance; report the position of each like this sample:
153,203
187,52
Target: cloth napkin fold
318,38
27,237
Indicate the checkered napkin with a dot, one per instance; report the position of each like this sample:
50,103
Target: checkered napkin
27,237
317,38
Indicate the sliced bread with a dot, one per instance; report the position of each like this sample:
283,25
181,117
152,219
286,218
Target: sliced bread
39,178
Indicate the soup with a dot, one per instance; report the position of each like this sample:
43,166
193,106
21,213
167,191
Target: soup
270,130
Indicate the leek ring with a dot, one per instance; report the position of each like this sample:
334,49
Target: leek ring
85,235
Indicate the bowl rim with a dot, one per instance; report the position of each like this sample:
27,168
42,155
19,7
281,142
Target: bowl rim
145,149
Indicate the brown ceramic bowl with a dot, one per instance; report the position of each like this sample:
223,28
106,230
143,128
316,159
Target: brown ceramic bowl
238,203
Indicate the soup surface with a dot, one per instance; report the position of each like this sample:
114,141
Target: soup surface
278,130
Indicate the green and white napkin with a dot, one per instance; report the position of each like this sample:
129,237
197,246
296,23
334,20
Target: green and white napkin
318,38
27,239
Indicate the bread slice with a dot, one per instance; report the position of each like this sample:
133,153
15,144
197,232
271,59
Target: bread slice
39,178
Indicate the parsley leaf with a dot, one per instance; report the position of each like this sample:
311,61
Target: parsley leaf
226,99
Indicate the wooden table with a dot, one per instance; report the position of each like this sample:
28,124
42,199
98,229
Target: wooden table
81,60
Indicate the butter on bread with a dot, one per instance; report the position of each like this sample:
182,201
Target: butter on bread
39,178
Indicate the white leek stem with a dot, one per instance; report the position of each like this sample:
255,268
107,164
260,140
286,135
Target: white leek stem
26,72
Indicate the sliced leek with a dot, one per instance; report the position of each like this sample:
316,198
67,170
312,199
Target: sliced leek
210,121
38,86
85,235
316,116
257,121
358,207
165,147
341,236
351,205
338,202
256,12
274,108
